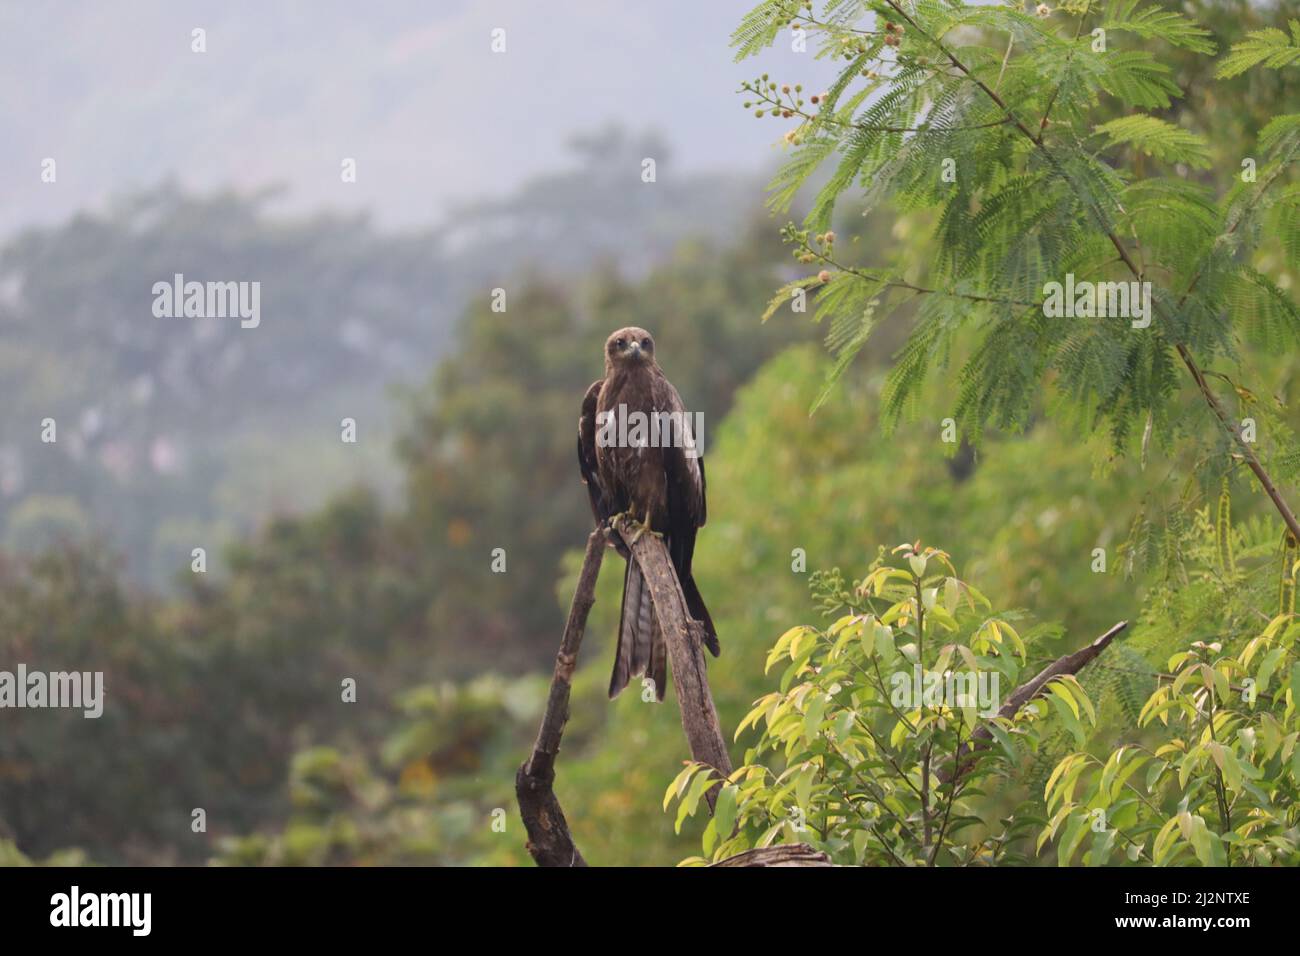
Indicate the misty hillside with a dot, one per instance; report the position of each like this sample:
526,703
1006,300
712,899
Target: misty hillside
174,433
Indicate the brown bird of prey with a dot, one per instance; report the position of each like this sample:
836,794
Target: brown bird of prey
654,476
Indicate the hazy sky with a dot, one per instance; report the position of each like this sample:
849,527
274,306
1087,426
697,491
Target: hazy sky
412,90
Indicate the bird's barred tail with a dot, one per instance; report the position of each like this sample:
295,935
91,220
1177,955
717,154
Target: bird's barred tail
641,647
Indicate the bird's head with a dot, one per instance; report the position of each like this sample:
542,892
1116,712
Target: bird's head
628,348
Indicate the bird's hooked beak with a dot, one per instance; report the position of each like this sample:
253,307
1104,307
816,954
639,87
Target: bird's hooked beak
634,351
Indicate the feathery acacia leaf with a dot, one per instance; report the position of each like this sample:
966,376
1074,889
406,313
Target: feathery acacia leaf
1270,48
1157,138
1156,23
985,122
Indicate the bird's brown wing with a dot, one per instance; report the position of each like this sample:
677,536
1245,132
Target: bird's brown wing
589,467
587,452
687,507
683,471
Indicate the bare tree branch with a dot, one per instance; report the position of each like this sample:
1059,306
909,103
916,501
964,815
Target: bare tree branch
1069,664
549,841
788,854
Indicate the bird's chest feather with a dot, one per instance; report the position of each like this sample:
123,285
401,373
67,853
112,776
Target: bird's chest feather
626,452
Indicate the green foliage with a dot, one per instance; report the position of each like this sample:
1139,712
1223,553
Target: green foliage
121,785
1269,48
439,789
885,740
1155,137
1208,772
1153,22
1057,163
1017,146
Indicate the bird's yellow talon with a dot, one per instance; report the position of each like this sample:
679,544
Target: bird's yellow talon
642,528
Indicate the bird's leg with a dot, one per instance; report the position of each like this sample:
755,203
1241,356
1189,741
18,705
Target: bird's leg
612,524
644,528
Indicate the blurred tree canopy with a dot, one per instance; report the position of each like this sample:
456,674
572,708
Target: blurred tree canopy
178,432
